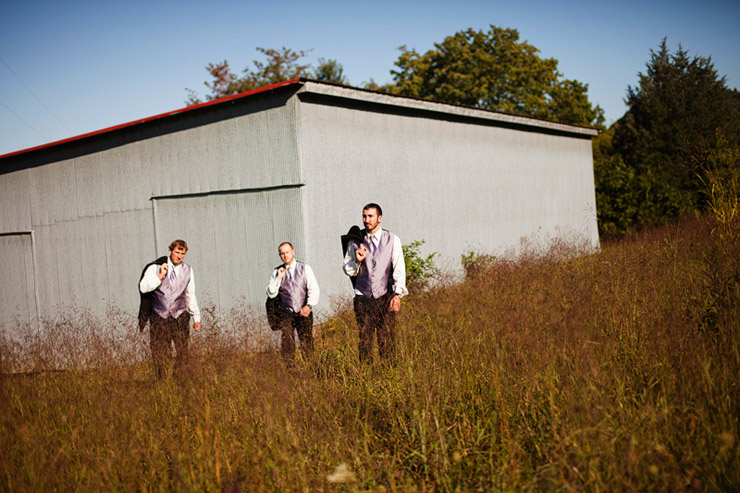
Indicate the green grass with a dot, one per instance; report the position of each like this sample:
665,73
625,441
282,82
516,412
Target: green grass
597,372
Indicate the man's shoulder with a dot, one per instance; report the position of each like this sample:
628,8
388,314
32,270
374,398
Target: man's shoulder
153,264
159,261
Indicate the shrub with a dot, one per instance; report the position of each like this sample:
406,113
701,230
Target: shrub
420,270
474,263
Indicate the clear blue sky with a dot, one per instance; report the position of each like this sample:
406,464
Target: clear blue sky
72,67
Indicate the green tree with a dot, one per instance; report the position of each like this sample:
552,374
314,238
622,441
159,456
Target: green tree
493,70
676,114
281,65
617,202
330,71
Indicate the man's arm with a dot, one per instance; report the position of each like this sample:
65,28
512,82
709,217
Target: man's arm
351,267
399,268
313,292
312,286
151,279
273,286
192,302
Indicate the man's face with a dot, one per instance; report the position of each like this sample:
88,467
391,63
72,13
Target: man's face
286,254
177,255
371,219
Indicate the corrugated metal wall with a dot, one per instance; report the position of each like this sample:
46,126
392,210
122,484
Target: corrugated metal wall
225,179
456,182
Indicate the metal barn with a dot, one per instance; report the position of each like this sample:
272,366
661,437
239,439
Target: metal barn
294,161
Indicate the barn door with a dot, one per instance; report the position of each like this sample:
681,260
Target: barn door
18,296
232,239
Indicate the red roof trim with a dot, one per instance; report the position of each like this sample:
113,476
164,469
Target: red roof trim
155,117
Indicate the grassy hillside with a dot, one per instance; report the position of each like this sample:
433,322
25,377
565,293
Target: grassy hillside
614,371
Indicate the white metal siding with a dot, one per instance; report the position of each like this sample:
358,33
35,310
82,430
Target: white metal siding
459,186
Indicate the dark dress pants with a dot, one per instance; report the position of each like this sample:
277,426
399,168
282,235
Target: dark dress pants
374,318
163,333
289,324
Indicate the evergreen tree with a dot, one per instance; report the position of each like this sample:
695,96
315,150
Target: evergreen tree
676,115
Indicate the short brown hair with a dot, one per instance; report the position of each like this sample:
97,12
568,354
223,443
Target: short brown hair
373,205
179,243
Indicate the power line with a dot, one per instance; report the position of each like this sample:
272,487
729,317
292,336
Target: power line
35,96
24,121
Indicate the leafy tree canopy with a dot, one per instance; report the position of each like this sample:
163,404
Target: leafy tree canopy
494,70
330,71
280,65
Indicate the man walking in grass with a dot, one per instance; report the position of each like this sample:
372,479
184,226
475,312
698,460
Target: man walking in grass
377,264
295,284
173,303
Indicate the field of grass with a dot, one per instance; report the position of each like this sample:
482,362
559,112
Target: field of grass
612,371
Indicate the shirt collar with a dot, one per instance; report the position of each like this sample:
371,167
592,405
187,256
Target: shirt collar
376,235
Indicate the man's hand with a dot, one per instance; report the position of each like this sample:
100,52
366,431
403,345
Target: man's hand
360,254
281,273
196,326
162,271
305,311
395,304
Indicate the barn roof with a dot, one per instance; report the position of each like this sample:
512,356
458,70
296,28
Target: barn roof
328,89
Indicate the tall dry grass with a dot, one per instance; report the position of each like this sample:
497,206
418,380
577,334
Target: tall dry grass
552,373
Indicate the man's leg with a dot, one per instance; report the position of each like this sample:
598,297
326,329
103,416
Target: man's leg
386,328
364,327
304,327
159,341
287,333
181,336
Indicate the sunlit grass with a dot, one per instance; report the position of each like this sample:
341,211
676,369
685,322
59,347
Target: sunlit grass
554,373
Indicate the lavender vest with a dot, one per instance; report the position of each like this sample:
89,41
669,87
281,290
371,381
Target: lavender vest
169,298
294,290
376,272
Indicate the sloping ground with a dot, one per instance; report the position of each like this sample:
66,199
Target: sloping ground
612,371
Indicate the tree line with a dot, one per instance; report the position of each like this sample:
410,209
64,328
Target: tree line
680,134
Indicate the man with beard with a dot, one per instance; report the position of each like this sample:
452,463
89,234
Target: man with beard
378,266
